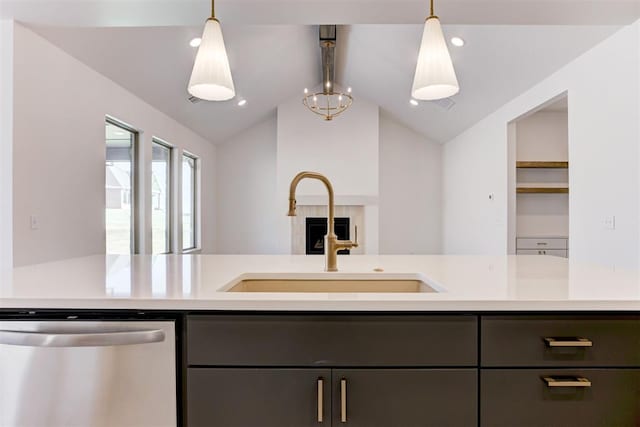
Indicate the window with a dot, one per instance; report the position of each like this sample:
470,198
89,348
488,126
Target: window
119,189
161,198
189,201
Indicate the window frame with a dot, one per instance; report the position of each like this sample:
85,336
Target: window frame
135,241
171,196
195,204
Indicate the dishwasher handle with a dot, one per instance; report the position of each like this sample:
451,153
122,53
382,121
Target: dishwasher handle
90,339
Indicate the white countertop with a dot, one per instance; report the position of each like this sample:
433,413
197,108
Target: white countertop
197,282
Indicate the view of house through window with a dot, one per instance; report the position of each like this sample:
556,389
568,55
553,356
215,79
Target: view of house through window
161,198
119,189
188,202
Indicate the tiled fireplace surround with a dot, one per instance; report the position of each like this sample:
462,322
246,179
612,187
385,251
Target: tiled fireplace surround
356,213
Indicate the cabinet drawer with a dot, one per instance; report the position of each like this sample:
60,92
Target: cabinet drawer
232,397
538,243
405,397
520,341
520,397
552,252
331,340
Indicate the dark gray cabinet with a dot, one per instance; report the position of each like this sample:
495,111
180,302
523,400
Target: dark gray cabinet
405,397
246,397
262,370
560,371
276,397
520,397
406,370
332,340
611,341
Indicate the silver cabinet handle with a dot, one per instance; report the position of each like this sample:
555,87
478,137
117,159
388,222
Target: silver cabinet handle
343,400
97,339
541,244
568,342
567,381
320,400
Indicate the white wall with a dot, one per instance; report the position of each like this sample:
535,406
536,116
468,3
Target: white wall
410,191
543,136
247,208
251,212
6,148
344,149
604,110
474,195
59,153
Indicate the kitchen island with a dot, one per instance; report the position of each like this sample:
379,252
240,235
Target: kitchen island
525,341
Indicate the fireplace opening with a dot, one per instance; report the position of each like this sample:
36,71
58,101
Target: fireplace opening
317,229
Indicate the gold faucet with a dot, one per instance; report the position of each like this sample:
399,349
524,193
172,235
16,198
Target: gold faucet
331,243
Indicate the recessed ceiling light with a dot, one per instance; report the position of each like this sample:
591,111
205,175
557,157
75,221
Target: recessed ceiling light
349,89
457,41
413,102
195,42
242,102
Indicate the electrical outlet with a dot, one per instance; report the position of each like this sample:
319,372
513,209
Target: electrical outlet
34,222
609,222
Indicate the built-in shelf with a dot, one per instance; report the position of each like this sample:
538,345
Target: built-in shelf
542,185
538,190
542,165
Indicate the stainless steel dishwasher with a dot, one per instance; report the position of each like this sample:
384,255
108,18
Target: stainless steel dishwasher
87,373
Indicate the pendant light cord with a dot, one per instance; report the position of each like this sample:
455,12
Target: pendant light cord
213,9
432,14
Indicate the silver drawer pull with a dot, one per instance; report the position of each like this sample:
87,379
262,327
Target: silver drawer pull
567,381
567,342
541,244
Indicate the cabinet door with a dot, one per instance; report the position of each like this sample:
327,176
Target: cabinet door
405,397
232,397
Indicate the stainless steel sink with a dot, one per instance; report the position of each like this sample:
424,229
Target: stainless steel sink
331,285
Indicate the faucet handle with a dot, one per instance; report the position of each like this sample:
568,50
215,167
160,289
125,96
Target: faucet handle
355,243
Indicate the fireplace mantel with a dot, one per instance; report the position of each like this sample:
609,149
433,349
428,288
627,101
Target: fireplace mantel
340,200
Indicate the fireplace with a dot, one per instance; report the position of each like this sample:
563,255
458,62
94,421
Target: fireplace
318,214
316,229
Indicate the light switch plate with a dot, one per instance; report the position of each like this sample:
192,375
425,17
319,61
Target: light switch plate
609,222
34,222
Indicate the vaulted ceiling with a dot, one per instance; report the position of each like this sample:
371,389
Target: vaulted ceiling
272,63
273,50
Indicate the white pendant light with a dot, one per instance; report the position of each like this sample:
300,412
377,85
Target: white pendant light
211,76
435,77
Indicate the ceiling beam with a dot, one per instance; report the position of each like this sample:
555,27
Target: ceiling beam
107,13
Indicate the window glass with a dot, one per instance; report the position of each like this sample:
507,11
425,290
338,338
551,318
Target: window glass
119,189
188,202
161,198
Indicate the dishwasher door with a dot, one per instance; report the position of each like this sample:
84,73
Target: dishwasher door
87,373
